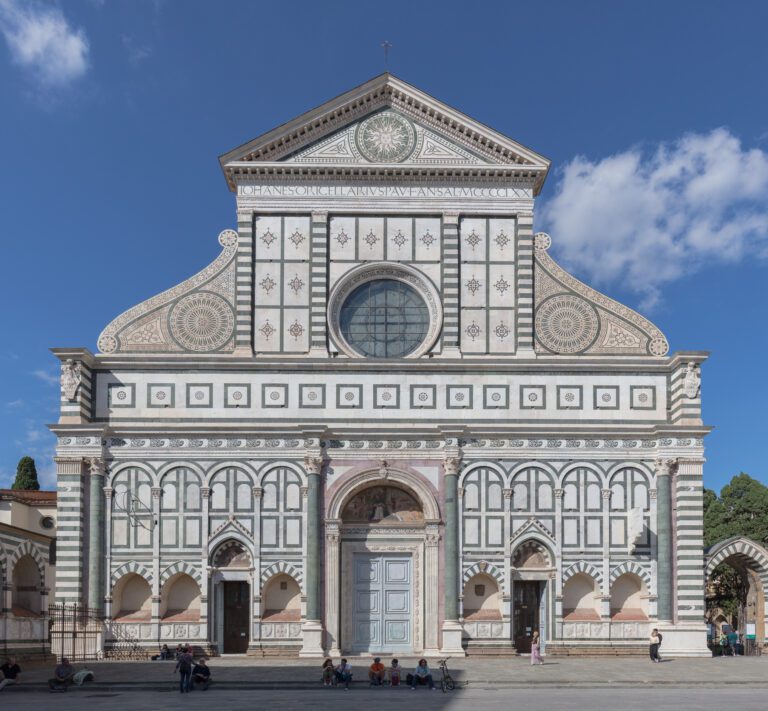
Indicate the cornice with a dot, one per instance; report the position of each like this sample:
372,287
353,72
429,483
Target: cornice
539,365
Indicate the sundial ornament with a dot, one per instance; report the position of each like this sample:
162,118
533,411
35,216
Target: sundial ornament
386,137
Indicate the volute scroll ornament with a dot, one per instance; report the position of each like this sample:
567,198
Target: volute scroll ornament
71,377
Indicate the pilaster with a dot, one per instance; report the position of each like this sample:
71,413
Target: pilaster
244,284
332,591
70,530
524,277
318,337
157,493
450,268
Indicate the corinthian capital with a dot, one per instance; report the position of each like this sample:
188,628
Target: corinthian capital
313,464
665,467
451,465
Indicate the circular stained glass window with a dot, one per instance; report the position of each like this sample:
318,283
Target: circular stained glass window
384,318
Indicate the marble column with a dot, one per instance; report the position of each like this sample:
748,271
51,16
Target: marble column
664,470
313,627
157,494
452,629
96,535
107,583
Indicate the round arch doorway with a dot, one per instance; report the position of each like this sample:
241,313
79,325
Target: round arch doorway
748,564
382,536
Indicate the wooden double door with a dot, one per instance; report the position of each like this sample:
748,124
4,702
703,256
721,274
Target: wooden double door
237,616
526,602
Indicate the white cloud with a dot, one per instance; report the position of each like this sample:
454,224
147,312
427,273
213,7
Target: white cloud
42,41
46,376
136,52
646,217
14,403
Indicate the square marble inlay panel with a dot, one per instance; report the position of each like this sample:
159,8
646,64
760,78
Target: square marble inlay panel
459,396
160,395
311,395
386,396
349,396
237,395
423,396
273,395
569,397
606,397
200,395
495,396
533,397
642,397
121,395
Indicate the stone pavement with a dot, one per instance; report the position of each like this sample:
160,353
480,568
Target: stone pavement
605,699
242,673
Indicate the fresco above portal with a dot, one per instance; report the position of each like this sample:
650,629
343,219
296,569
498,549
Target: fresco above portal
385,505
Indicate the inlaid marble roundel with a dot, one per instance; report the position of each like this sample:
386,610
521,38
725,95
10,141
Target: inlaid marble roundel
566,323
386,137
202,322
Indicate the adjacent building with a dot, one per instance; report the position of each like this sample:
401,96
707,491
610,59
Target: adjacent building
27,569
383,419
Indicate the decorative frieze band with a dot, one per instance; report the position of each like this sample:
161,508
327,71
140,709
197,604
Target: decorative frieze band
228,443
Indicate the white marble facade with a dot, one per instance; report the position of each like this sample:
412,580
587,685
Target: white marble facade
384,418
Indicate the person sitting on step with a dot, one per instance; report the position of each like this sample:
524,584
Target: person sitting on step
344,674
421,675
376,672
394,672
328,672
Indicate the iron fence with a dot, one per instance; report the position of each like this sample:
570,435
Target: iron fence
75,632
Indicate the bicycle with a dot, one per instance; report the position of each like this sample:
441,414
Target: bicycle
446,681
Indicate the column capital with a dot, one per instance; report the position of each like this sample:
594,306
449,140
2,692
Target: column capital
258,492
313,463
606,493
96,466
157,492
205,492
507,493
653,493
451,465
665,466
559,493
304,491
108,491
319,215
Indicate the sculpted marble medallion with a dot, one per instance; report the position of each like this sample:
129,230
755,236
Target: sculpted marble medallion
386,138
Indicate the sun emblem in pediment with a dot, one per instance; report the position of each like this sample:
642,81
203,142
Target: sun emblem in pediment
386,137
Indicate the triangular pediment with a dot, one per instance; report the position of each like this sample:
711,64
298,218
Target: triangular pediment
388,136
385,122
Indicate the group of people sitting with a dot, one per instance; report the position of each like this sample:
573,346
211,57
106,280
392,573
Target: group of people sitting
378,674
191,673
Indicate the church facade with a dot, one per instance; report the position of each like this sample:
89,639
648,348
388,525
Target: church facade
383,419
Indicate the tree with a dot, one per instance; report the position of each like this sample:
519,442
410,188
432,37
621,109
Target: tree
740,510
26,475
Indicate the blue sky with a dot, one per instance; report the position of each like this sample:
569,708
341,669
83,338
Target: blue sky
655,115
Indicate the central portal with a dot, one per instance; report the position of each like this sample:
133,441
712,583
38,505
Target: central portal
382,604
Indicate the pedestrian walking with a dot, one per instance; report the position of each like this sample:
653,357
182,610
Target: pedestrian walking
184,667
536,649
653,647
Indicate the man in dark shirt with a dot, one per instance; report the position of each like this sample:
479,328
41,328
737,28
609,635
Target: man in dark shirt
62,676
11,673
201,674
